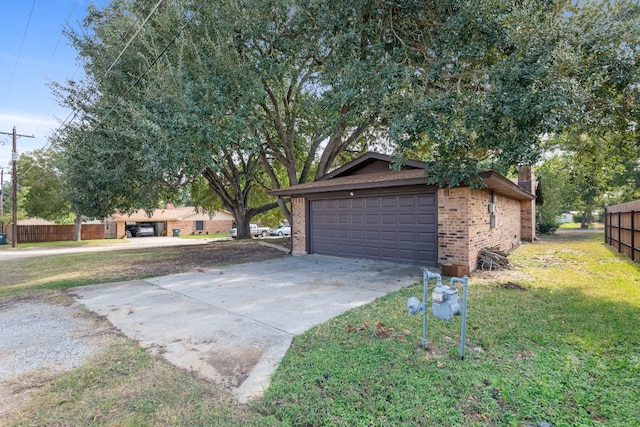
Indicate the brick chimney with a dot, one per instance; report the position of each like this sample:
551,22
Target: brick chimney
170,206
527,180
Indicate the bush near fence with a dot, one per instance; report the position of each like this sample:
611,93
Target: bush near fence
54,233
622,228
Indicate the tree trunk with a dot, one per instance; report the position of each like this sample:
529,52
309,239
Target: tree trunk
243,221
586,219
77,230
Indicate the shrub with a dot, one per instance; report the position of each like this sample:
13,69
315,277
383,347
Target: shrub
547,227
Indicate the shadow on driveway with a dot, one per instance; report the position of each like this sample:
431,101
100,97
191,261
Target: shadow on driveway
234,324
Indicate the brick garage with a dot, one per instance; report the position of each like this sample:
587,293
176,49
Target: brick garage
366,210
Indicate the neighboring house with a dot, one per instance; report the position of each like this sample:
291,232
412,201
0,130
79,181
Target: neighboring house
564,218
34,221
366,210
185,219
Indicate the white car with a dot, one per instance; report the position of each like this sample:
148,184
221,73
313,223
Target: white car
253,229
283,230
144,229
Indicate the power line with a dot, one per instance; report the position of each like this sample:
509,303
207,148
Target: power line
69,118
156,59
134,35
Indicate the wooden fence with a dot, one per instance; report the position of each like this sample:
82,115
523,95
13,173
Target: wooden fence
54,233
622,228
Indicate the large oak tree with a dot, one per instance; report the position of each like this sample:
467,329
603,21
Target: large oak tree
259,94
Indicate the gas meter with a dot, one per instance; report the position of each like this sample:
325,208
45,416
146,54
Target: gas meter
445,302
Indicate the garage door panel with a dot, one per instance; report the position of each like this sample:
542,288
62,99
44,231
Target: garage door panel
388,202
372,235
357,219
357,234
388,236
356,203
407,236
344,203
407,202
392,228
386,219
372,219
425,200
425,237
371,202
343,219
426,219
404,219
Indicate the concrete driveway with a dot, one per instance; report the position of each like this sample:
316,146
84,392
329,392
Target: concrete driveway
234,324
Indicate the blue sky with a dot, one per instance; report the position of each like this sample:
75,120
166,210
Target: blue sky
26,101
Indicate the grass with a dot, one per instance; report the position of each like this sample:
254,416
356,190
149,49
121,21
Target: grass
565,349
577,225
204,236
64,271
65,244
555,339
125,386
59,272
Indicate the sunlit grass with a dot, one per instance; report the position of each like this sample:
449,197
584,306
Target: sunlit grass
204,236
577,225
68,243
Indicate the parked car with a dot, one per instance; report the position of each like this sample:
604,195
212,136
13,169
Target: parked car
142,229
254,230
283,230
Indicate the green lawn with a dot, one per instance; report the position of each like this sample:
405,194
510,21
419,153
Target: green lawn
566,350
204,236
555,339
66,244
574,225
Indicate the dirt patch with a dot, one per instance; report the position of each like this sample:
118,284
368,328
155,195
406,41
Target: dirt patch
234,364
185,258
513,286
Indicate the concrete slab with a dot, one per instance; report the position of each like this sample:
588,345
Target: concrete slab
234,324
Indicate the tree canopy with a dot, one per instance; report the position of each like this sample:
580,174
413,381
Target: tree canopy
251,95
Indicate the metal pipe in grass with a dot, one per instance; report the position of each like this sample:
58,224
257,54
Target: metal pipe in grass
465,282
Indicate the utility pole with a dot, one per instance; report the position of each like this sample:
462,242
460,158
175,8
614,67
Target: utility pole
1,192
14,181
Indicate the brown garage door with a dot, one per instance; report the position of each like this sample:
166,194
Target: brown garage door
401,228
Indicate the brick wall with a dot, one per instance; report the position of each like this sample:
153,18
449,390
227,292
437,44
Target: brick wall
210,227
298,226
453,218
506,233
527,180
120,229
187,227
464,225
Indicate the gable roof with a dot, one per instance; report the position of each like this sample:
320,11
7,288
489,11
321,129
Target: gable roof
372,170
186,213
